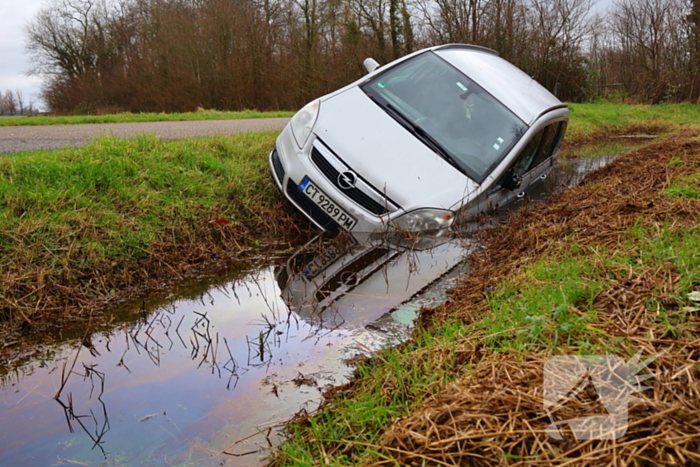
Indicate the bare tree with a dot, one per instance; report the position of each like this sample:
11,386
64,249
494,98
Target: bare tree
694,40
10,103
30,108
19,98
60,37
177,55
653,47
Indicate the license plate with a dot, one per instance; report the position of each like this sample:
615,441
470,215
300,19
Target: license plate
327,256
329,206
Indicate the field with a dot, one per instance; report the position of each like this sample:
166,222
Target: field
591,121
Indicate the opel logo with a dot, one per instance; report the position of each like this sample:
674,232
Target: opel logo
349,278
347,180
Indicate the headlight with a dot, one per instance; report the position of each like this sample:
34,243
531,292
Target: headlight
303,121
424,219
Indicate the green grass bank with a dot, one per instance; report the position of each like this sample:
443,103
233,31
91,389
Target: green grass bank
86,224
128,117
606,268
599,120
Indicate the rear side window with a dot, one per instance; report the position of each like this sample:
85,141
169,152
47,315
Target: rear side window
540,148
551,140
528,155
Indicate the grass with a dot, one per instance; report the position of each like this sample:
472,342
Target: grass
552,303
72,218
386,388
127,192
606,119
549,303
128,117
688,187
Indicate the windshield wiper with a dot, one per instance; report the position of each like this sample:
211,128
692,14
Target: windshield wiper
436,146
423,135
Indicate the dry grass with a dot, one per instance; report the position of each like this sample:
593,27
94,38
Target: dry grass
494,414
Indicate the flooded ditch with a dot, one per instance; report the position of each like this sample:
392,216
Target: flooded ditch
211,380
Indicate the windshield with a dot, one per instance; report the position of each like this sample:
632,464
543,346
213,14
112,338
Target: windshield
449,112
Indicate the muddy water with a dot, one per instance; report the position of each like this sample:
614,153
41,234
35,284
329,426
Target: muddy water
210,380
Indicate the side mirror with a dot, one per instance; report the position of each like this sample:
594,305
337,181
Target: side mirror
511,181
370,64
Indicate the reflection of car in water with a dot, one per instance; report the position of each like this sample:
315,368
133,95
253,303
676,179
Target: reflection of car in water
350,282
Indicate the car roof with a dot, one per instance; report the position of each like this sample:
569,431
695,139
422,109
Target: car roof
524,96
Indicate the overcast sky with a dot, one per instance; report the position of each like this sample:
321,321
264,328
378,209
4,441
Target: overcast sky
14,16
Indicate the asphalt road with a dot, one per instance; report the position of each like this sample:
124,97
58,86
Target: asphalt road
30,138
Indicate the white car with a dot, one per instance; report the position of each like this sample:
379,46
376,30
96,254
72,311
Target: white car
428,140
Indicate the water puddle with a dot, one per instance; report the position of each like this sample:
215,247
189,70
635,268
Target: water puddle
210,380
580,160
184,383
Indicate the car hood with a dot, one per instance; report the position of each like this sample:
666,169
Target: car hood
385,154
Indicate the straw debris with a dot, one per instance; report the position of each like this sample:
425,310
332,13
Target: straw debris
495,417
493,414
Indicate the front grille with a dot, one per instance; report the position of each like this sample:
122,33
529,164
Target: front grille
354,194
310,208
277,165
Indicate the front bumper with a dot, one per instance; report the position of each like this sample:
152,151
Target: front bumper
289,165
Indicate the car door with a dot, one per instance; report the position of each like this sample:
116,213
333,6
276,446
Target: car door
533,163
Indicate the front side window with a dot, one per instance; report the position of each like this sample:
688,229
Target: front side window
449,112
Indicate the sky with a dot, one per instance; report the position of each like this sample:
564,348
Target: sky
14,16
